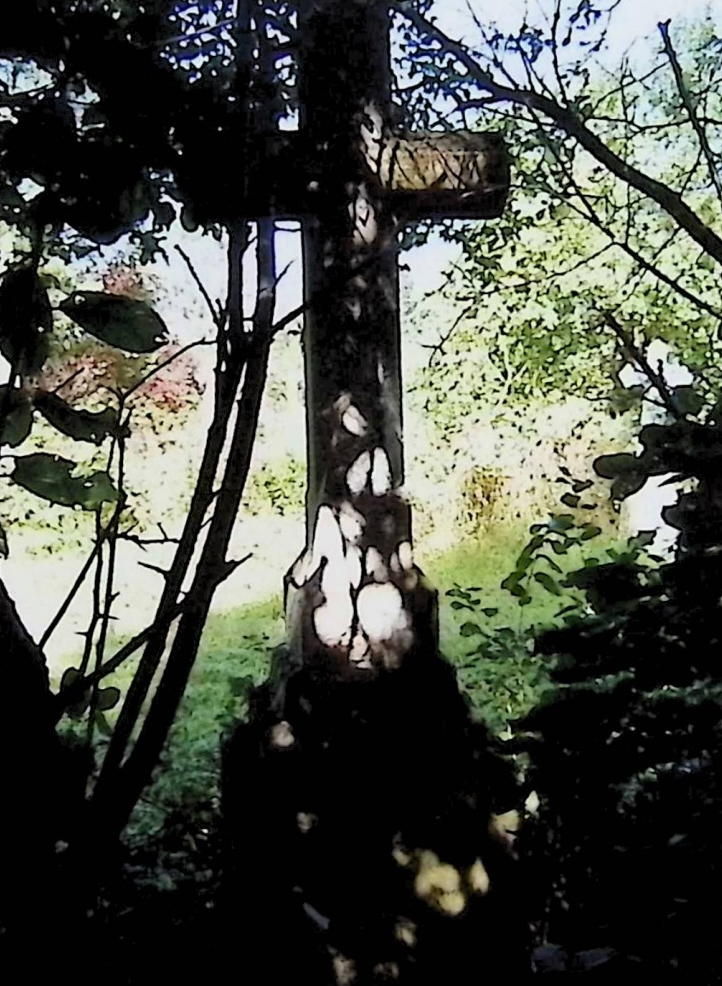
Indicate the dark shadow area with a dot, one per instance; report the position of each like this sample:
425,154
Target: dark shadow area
359,835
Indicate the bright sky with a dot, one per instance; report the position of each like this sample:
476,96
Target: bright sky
633,21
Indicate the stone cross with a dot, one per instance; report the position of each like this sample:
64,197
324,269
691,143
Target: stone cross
355,600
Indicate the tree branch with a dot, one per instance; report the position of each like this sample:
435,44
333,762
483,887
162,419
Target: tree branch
689,106
670,201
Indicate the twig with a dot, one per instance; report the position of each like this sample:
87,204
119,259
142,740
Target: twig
97,590
228,375
116,801
65,605
574,127
656,379
71,693
712,164
209,30
154,568
166,362
142,542
216,314
110,596
68,379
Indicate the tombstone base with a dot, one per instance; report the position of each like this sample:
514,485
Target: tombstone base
362,840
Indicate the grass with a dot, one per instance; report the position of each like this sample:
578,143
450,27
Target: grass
487,636
496,669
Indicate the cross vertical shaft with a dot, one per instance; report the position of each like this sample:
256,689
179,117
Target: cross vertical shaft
355,600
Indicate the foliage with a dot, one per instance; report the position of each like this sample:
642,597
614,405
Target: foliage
623,754
576,240
105,163
278,486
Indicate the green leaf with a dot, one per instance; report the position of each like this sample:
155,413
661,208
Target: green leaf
511,584
83,426
551,563
107,698
628,484
687,400
51,477
570,500
470,629
460,593
18,422
561,522
490,611
590,531
72,676
26,318
642,540
580,485
619,464
122,322
102,724
544,579
242,687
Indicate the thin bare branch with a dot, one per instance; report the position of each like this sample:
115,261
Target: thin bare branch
69,695
166,362
216,314
656,379
689,107
670,201
65,605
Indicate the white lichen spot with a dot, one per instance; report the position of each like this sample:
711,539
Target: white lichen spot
410,580
351,522
324,532
302,568
381,613
353,421
380,372
381,473
354,307
375,565
387,971
354,568
478,878
531,805
360,653
406,556
332,619
357,474
282,735
344,970
405,932
327,537
305,821
364,218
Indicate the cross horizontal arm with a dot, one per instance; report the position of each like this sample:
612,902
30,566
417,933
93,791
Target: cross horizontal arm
443,175
459,175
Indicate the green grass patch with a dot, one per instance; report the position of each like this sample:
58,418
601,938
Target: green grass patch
495,663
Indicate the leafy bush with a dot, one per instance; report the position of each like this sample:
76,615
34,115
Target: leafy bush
624,753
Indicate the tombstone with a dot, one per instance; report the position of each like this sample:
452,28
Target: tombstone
362,801
643,510
356,603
